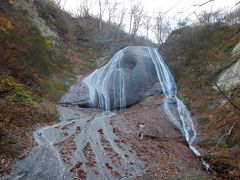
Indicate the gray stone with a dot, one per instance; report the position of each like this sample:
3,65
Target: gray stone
236,49
229,78
39,22
77,95
131,71
138,73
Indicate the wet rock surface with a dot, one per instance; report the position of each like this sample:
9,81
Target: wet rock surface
90,144
84,146
78,95
128,78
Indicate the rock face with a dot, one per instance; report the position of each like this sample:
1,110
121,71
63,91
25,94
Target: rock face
236,49
39,22
230,78
77,95
129,77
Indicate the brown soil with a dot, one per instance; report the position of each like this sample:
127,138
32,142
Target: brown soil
163,148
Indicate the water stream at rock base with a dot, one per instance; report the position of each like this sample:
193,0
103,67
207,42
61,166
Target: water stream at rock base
83,147
98,84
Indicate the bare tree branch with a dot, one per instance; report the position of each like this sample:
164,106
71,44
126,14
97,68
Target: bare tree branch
203,3
136,16
102,5
206,17
173,7
226,97
7,90
147,24
85,8
220,140
162,29
111,9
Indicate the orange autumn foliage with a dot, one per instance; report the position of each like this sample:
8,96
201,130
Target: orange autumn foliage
5,24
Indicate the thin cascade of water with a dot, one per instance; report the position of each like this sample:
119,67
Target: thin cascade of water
175,109
99,81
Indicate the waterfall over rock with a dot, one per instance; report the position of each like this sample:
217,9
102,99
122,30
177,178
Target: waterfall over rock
128,78
174,108
133,74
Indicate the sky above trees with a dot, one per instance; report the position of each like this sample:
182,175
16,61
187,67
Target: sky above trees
172,8
150,18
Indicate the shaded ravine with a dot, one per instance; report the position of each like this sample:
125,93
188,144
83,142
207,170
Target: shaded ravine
84,147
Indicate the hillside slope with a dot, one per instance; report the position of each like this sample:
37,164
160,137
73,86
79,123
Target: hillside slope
42,50
38,63
197,56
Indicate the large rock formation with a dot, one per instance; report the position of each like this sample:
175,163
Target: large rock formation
128,78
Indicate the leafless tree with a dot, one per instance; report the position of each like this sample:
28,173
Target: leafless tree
102,5
119,26
57,2
205,17
85,8
136,15
120,16
111,7
220,140
233,17
60,3
182,22
162,29
147,24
